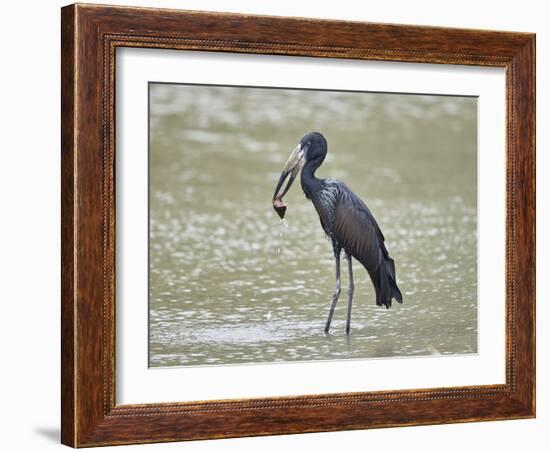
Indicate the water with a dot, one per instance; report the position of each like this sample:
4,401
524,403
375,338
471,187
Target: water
283,226
230,283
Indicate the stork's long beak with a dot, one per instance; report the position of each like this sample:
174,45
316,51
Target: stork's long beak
293,166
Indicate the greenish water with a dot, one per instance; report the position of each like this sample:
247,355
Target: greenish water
229,283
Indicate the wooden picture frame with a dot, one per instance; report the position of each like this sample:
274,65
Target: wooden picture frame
90,36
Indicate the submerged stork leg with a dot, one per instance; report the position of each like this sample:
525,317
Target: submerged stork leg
336,294
350,292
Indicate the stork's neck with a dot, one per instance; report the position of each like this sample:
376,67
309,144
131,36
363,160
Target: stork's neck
310,183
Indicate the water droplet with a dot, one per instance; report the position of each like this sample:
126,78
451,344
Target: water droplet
283,226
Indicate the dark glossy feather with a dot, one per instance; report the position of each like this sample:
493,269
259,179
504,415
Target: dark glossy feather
349,222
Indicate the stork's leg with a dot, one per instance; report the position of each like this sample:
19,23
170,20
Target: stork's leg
336,293
350,291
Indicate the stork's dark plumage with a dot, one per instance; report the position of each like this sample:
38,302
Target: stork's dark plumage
346,220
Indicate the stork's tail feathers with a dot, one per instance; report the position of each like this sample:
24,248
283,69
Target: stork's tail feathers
385,284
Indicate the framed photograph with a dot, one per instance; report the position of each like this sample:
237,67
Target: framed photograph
281,225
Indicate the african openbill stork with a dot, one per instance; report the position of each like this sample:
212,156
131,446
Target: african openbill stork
346,220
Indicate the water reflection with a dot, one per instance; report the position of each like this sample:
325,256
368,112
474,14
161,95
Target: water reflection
230,283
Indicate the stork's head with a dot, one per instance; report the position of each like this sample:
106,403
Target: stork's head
312,146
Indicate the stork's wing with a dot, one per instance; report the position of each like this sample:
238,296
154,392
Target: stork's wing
357,231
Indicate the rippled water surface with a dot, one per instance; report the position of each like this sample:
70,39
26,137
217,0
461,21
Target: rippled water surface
229,283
